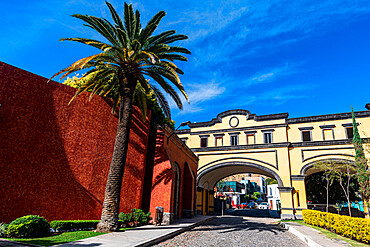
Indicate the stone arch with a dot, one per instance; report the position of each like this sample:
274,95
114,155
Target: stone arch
305,169
208,177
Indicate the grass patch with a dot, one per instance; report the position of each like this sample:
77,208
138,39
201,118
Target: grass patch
329,234
64,237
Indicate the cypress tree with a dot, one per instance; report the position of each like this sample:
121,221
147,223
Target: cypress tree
363,174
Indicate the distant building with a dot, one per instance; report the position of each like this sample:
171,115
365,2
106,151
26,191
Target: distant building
273,196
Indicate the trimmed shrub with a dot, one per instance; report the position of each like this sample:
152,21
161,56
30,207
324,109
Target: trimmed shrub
72,225
3,228
354,228
28,227
137,217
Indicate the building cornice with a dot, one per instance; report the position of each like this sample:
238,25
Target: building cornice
237,129
219,117
278,145
328,117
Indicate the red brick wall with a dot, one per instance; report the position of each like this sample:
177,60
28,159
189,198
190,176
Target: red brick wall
54,158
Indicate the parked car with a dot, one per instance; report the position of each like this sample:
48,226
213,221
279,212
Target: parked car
264,205
252,205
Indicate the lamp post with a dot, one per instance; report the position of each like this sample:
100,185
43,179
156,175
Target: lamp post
181,125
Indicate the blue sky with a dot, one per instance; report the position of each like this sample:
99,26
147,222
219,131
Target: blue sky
301,57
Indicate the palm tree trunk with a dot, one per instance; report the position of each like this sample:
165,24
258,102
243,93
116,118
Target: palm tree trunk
109,217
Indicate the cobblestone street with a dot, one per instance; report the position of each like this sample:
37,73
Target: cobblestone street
236,231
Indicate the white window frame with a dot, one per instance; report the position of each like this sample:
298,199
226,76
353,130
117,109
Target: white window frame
328,127
237,140
222,139
203,137
265,139
250,133
302,129
347,126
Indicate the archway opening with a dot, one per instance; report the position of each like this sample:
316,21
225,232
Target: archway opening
328,191
248,186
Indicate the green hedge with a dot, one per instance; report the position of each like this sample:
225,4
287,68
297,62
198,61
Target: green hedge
72,225
354,228
69,225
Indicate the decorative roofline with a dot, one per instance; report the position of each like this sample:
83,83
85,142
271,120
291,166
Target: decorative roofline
219,117
328,117
249,116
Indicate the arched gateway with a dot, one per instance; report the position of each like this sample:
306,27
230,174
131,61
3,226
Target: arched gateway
286,149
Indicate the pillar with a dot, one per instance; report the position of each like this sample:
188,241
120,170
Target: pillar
211,202
287,205
199,201
299,194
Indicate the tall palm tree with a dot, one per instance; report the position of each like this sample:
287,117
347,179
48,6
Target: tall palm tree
130,55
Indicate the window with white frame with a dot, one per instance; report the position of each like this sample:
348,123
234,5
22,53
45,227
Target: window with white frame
267,136
349,130
234,138
327,132
204,141
219,142
251,137
306,134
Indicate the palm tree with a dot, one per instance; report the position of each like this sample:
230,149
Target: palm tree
129,56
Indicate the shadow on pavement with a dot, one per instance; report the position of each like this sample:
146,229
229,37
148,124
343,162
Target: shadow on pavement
230,224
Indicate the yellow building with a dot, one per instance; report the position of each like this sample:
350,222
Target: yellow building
286,149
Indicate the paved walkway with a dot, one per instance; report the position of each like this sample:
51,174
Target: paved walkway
151,235
236,231
140,236
312,237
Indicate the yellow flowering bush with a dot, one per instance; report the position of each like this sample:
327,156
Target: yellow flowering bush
350,227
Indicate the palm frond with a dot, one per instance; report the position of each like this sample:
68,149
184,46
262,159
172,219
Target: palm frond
162,101
115,16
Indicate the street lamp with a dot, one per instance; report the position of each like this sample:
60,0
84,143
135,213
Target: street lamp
181,125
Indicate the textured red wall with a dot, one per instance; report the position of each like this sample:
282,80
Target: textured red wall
163,174
54,158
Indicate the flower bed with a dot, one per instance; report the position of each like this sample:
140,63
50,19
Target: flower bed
354,228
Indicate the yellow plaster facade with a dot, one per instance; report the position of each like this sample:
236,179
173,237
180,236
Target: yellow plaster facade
275,145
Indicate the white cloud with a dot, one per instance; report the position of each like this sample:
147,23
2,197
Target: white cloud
272,74
277,96
199,93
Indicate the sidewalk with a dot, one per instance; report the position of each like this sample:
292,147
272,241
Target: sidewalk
312,237
141,236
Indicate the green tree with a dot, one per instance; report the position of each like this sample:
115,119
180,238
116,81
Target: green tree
129,56
256,195
329,174
362,167
270,181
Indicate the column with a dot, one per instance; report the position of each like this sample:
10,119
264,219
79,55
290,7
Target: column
287,206
299,195
211,202
199,209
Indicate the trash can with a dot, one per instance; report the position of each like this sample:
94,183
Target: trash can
159,215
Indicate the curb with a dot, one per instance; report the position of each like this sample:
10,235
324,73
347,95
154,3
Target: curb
161,238
2,240
300,235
